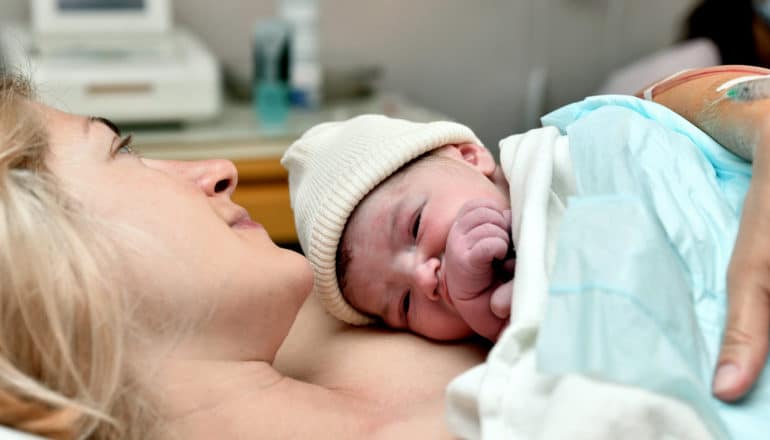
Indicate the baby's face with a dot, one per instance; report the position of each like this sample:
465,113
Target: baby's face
396,240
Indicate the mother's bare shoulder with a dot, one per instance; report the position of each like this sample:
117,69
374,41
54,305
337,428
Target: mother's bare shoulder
387,366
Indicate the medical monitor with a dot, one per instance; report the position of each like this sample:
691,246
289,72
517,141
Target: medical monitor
85,17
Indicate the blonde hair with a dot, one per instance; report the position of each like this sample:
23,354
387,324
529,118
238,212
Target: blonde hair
64,325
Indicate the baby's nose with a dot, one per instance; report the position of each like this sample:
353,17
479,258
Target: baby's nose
426,280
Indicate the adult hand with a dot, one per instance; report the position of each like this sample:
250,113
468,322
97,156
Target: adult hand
744,128
478,266
745,340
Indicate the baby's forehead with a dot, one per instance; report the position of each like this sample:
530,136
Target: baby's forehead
380,200
403,177
404,180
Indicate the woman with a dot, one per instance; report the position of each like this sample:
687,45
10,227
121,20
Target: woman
140,302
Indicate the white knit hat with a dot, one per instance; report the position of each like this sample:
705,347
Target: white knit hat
333,166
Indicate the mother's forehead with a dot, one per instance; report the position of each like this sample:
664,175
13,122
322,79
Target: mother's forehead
60,123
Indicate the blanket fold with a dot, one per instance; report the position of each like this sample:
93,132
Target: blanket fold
625,216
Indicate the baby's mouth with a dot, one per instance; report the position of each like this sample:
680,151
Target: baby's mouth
504,269
441,284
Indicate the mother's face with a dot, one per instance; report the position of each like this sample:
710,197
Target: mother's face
186,250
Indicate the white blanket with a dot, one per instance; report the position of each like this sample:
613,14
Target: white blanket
506,397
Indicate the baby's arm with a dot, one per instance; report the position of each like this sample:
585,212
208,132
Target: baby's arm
479,264
744,128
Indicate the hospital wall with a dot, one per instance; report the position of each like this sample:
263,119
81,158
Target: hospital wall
492,64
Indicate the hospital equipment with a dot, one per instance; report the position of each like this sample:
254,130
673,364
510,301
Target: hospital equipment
122,59
750,89
271,91
305,72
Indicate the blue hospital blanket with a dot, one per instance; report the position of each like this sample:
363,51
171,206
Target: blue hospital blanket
638,289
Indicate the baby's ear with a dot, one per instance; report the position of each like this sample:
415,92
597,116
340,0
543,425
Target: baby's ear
473,154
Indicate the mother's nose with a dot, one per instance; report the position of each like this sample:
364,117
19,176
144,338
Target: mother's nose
214,176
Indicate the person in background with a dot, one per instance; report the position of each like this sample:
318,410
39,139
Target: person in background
715,32
740,29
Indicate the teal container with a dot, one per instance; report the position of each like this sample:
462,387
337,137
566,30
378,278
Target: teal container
270,91
272,102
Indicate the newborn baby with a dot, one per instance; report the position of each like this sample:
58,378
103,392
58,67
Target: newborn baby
418,235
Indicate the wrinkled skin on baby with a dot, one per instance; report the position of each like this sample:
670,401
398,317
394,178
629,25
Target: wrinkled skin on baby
480,262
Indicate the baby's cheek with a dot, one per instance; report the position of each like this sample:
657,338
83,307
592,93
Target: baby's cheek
452,252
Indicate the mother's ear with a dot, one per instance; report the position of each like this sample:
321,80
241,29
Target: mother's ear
473,154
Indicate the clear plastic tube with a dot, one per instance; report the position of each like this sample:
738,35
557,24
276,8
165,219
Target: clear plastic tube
750,90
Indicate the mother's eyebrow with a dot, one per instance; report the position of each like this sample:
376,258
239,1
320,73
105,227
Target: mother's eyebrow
111,125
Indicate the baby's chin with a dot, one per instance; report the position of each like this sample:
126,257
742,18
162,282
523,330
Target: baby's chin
492,328
500,331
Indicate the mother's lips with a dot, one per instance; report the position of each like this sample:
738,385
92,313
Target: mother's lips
244,221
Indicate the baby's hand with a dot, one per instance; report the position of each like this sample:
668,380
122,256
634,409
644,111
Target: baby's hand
477,264
500,302
479,237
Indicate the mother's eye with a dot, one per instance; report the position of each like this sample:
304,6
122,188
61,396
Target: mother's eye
124,147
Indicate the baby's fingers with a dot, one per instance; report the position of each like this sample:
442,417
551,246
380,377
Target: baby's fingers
482,211
486,244
477,314
500,302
